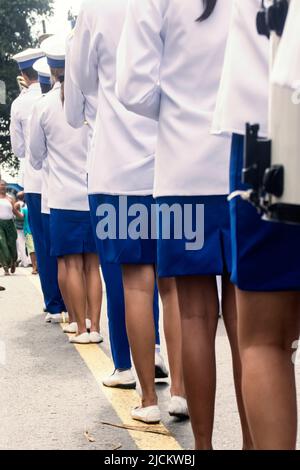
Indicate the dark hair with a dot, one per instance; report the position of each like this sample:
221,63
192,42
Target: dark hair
209,6
45,87
31,74
59,75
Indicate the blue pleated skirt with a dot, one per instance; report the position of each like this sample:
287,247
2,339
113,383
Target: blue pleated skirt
209,251
71,233
120,247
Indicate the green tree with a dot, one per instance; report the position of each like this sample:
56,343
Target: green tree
17,17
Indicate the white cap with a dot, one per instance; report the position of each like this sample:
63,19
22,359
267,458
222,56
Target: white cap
55,50
42,68
27,58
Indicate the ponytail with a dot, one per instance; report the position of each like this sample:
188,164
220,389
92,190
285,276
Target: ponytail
61,80
209,6
59,76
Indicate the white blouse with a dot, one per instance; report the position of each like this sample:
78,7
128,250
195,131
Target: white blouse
66,149
286,70
168,69
122,156
21,111
243,94
6,209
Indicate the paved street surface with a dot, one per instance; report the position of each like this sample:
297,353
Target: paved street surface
51,394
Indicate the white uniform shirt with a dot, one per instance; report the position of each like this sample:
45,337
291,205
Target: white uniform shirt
66,148
286,70
169,69
21,111
243,94
45,187
44,172
122,157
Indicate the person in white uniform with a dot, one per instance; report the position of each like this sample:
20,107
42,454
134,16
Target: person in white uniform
121,168
81,109
55,282
265,256
71,234
286,70
172,75
21,111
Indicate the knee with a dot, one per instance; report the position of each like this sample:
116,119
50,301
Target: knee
201,313
138,278
167,288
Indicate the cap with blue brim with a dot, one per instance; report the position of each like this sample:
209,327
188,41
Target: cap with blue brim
42,68
27,58
55,50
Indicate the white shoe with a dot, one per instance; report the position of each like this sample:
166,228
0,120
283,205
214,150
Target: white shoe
148,415
178,408
84,338
96,338
57,318
121,379
71,328
161,371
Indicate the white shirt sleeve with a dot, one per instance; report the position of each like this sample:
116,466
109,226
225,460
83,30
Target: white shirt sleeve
74,99
84,57
17,137
38,143
286,71
139,58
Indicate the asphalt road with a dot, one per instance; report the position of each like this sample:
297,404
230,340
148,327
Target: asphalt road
51,394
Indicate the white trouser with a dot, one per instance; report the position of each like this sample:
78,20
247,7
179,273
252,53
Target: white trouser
22,256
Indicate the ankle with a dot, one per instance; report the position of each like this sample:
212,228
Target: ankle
203,444
82,330
178,391
149,401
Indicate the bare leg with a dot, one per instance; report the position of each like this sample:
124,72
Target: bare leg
199,307
269,323
76,289
93,289
139,284
230,319
63,285
34,263
172,330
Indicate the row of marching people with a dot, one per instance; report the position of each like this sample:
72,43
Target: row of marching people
55,179
133,173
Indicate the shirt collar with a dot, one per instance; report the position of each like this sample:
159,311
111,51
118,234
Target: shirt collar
33,86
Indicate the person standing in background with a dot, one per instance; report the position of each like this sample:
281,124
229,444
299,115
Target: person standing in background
23,258
22,213
8,232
